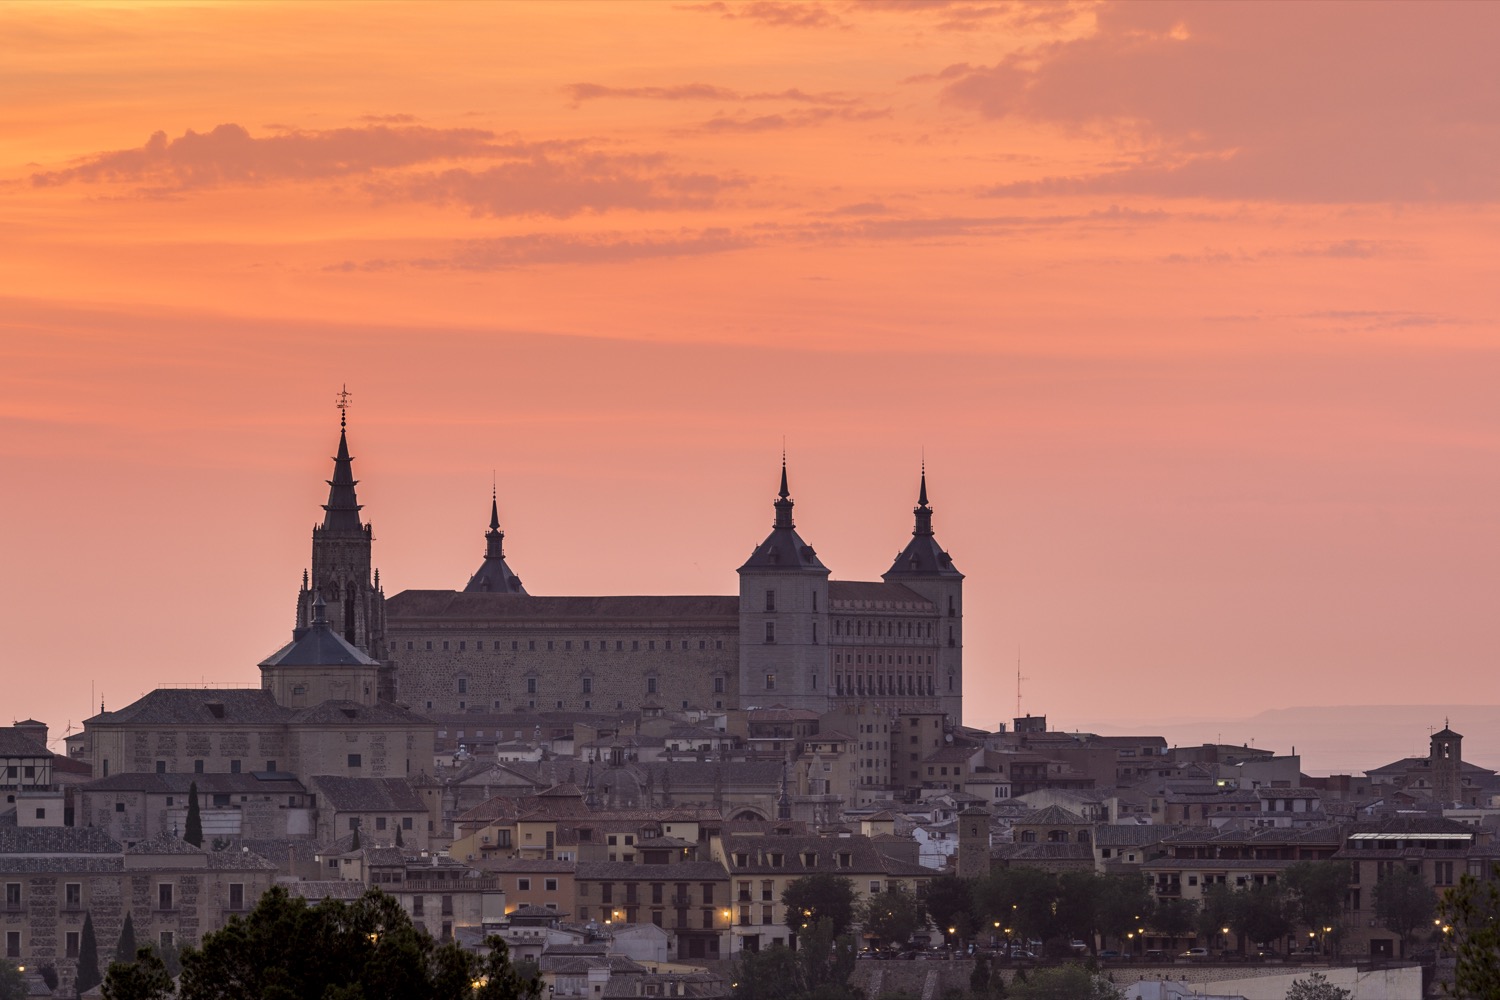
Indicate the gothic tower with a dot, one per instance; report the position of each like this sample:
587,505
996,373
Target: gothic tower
1446,755
925,568
973,858
784,618
341,561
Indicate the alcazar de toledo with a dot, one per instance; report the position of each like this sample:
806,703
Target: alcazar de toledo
792,637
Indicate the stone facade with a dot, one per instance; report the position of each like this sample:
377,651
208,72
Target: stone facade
792,636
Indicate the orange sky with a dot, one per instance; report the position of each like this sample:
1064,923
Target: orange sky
1191,308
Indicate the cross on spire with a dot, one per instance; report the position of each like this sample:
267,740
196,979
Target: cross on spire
343,398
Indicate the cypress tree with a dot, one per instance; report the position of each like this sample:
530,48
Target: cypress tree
88,957
194,832
399,841
354,844
125,950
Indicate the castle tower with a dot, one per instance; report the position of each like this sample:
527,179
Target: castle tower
341,560
925,568
493,575
784,618
1446,754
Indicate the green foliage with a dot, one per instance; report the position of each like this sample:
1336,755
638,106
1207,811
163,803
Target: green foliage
891,917
979,979
1176,917
1471,910
820,969
354,841
88,957
1262,913
12,983
48,973
1019,898
1317,987
950,902
193,828
812,898
285,949
1064,982
1080,898
1317,890
400,842
1403,902
144,977
125,950
1125,903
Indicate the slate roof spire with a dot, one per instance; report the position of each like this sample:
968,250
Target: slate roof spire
783,548
341,512
493,575
923,556
784,499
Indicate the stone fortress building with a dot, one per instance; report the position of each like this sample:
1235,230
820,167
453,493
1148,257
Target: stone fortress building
792,636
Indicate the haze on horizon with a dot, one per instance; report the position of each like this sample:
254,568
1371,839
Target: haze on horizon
1189,307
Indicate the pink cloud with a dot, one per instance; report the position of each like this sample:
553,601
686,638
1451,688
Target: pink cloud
1295,102
700,92
530,249
561,187
780,15
231,155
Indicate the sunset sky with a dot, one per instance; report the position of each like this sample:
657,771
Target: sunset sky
1191,309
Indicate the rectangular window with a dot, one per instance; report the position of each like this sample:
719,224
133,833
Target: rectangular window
236,895
406,822
718,685
12,895
380,822
463,685
73,896
234,767
550,884
770,631
197,767
161,767
12,944
523,885
650,685
354,760
70,947
770,682
770,600
588,685
416,906
164,896
531,685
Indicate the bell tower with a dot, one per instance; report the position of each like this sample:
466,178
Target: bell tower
341,575
1446,756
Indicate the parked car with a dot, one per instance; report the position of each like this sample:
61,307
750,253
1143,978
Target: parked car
1026,954
1077,947
1111,955
1155,955
1195,954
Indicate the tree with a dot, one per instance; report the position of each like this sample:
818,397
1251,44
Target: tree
1220,909
357,950
1262,913
125,950
1317,987
1174,918
399,841
950,902
1065,982
12,983
1471,914
143,978
88,957
815,897
354,841
1080,897
193,828
1317,890
891,917
979,979
1125,903
1403,902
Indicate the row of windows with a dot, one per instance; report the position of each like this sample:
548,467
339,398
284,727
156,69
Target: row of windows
879,659
235,766
900,684
533,684
589,645
882,630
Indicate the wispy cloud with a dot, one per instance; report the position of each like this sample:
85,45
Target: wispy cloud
804,118
533,249
580,92
780,15
229,154
561,187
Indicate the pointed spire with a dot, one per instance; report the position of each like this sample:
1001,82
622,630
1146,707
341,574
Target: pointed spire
784,503
341,512
783,801
921,510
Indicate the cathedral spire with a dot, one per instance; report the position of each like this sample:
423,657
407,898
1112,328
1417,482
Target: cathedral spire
341,512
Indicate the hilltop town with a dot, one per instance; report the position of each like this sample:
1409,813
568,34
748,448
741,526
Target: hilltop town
628,790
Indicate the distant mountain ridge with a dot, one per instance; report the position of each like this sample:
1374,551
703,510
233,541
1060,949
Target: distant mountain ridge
1332,739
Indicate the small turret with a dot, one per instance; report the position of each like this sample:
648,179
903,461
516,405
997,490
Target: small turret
493,575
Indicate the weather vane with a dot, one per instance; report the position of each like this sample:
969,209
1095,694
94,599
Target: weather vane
343,404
